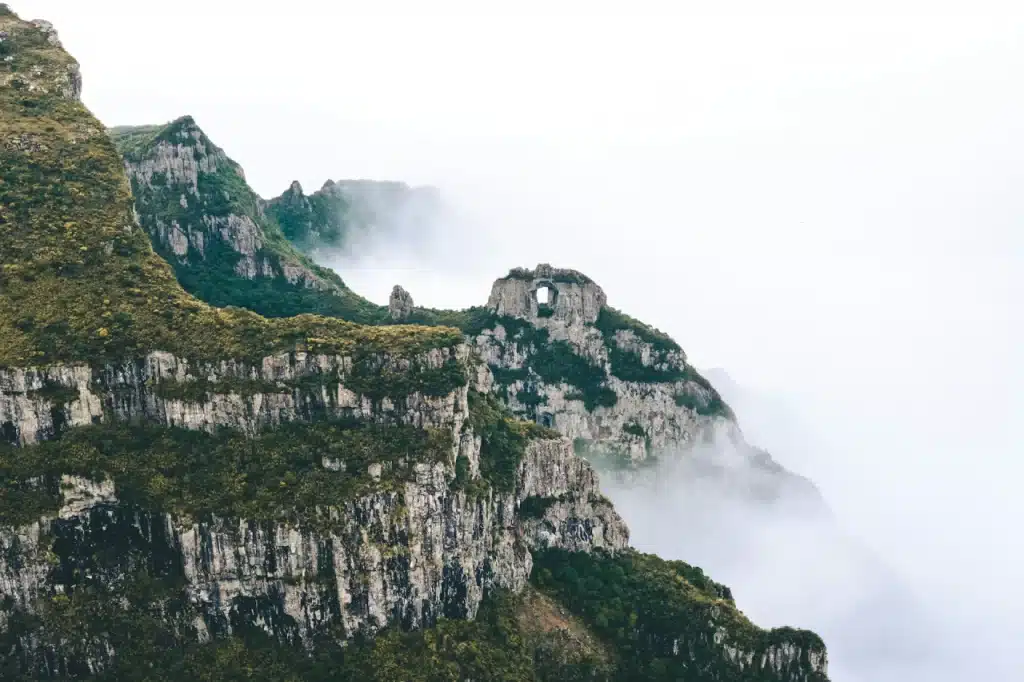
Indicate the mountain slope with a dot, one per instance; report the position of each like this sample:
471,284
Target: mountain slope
190,491
206,221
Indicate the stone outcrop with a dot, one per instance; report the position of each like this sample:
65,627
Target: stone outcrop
45,70
574,298
400,304
210,204
39,403
630,396
395,557
641,417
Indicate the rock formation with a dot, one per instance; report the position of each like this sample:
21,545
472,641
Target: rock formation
205,220
183,482
400,304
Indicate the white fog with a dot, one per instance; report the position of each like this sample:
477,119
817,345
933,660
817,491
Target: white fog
825,206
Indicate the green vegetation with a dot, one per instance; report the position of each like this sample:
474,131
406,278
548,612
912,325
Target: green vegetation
643,606
558,362
611,320
79,282
712,407
472,321
277,475
317,221
515,638
503,439
627,366
209,272
564,276
634,429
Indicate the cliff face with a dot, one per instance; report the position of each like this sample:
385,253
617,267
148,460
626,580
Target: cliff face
404,553
207,222
187,488
408,545
621,390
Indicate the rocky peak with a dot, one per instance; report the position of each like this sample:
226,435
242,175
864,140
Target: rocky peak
565,297
400,304
33,60
226,246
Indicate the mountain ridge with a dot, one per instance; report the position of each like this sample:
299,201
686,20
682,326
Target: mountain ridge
215,491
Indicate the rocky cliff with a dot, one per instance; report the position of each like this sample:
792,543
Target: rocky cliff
197,492
206,221
620,389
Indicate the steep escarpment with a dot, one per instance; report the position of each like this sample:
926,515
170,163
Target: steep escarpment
192,492
206,221
621,390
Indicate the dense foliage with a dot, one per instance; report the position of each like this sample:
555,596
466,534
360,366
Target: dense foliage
713,406
155,642
661,617
221,193
503,439
611,320
277,475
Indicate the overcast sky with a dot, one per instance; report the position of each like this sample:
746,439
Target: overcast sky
829,207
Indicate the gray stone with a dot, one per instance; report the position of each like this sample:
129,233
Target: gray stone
573,298
453,547
400,304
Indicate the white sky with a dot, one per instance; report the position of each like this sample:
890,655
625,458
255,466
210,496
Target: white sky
830,207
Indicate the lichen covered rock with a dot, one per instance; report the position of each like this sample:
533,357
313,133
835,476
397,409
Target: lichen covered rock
400,304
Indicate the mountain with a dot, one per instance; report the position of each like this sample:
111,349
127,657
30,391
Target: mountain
341,215
205,220
194,492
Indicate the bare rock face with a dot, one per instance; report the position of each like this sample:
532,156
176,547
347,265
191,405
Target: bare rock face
402,553
192,198
561,296
622,390
400,304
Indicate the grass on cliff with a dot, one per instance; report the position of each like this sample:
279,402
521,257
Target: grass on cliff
514,638
210,273
275,476
593,617
503,440
644,607
79,281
